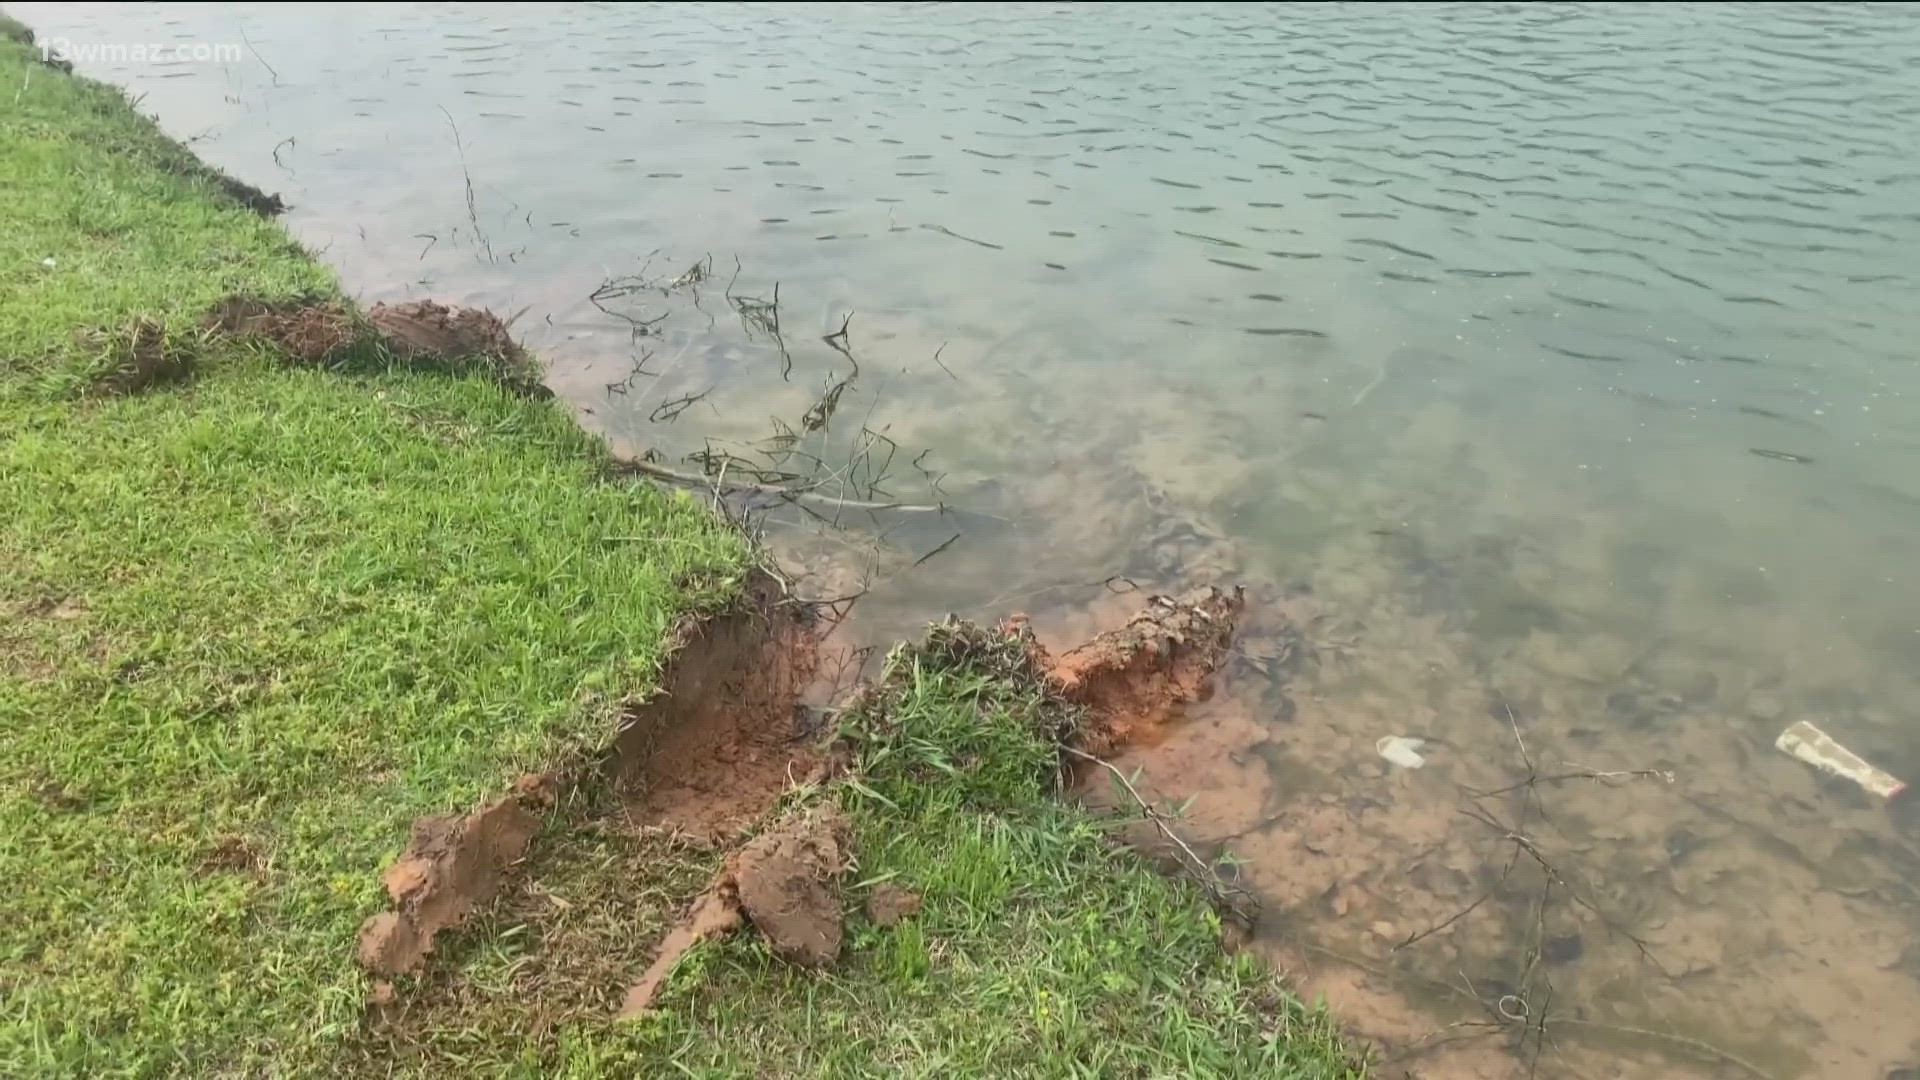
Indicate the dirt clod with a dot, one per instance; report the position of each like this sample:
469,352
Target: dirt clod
715,913
712,751
888,904
788,880
1137,677
139,356
422,327
452,865
310,333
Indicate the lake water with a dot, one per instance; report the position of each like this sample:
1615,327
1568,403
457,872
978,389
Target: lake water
1547,375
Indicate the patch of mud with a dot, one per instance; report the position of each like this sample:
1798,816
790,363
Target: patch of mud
418,332
452,865
422,328
715,913
1134,679
139,356
785,881
714,750
310,333
1743,918
889,904
702,759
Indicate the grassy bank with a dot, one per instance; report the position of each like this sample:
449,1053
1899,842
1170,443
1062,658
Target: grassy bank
259,616
259,619
1039,949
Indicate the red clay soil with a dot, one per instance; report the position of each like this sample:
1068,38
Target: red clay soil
1136,678
307,332
888,904
424,328
712,753
452,865
786,881
706,756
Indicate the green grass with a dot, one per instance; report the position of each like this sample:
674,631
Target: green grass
256,619
1042,950
254,622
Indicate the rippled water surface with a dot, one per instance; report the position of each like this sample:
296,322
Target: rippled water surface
1547,374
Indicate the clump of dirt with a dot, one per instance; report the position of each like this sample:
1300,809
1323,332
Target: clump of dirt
452,865
1137,677
310,333
424,328
715,913
139,356
713,750
786,881
888,904
418,332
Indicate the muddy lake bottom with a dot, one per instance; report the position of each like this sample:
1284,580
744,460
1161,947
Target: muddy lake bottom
1544,376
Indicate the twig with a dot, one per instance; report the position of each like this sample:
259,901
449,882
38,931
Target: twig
1228,897
1584,774
944,545
1704,1049
473,213
664,473
257,56
943,367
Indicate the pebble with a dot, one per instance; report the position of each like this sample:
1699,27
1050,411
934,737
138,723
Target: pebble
1385,929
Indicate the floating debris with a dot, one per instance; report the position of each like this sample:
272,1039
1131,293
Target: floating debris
1817,748
1402,750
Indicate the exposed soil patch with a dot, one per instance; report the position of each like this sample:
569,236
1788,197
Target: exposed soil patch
786,881
307,332
140,355
1134,679
715,913
452,865
712,751
705,757
888,905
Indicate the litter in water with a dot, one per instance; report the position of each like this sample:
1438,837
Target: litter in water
1402,750
1817,748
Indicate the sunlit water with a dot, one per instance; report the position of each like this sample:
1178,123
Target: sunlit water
1546,373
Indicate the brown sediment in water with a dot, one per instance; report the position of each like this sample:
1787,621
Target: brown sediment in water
1734,920
1137,677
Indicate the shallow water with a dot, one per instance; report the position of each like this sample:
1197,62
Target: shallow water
1546,374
